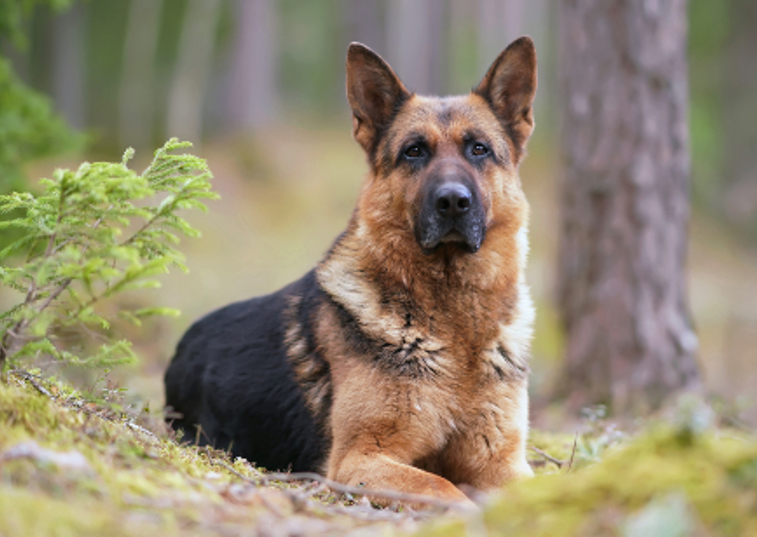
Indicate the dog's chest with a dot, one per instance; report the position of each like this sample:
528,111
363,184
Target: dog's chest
440,355
458,410
440,373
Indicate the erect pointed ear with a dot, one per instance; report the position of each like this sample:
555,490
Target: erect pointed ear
509,87
375,94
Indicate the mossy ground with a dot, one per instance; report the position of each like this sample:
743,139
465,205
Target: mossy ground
678,476
69,466
73,466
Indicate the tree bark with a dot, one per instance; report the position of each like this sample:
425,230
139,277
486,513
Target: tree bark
365,23
414,43
137,91
499,23
739,202
195,58
253,91
69,30
625,203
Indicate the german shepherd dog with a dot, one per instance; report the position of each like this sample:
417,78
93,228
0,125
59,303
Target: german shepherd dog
401,361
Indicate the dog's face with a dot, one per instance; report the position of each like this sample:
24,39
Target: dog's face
444,170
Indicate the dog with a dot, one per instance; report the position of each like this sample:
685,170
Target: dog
401,360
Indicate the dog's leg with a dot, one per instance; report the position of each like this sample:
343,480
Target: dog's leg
491,450
508,458
380,471
378,435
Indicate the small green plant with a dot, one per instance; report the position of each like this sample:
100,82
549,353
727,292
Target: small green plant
92,234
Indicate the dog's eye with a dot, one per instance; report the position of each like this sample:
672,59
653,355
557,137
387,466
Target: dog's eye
479,150
414,151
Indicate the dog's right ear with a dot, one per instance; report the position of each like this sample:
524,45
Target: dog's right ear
375,94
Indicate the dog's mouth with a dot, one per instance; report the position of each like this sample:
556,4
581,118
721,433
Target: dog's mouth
453,236
465,235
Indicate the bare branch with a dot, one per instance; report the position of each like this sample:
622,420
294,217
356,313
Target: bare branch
31,380
549,457
572,454
346,489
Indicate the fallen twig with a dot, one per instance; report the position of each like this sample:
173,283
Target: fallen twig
142,430
346,489
44,391
572,454
549,457
31,380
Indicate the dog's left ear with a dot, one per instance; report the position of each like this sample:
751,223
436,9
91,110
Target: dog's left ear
509,87
375,94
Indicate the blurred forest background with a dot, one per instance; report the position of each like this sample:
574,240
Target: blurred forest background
258,87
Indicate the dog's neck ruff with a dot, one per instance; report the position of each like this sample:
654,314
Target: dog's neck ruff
499,316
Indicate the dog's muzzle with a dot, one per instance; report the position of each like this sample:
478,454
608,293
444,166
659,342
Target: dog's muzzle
451,211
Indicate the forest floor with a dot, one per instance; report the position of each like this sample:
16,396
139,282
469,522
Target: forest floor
74,464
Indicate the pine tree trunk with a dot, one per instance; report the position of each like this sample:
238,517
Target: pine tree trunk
137,91
186,100
499,23
739,82
414,43
68,52
364,21
253,89
625,203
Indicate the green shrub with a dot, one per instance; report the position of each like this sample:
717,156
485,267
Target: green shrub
93,233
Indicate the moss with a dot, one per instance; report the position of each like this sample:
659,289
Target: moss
22,512
679,477
25,409
711,477
126,475
71,467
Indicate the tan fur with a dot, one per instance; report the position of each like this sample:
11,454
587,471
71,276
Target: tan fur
460,321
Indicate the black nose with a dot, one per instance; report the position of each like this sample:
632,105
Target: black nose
452,199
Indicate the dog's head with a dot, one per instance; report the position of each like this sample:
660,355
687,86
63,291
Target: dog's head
444,170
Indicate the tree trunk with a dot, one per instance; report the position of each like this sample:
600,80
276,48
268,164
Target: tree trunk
365,23
499,23
137,92
253,91
196,46
69,32
414,43
625,203
739,179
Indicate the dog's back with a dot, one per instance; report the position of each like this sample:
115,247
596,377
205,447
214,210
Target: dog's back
232,386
